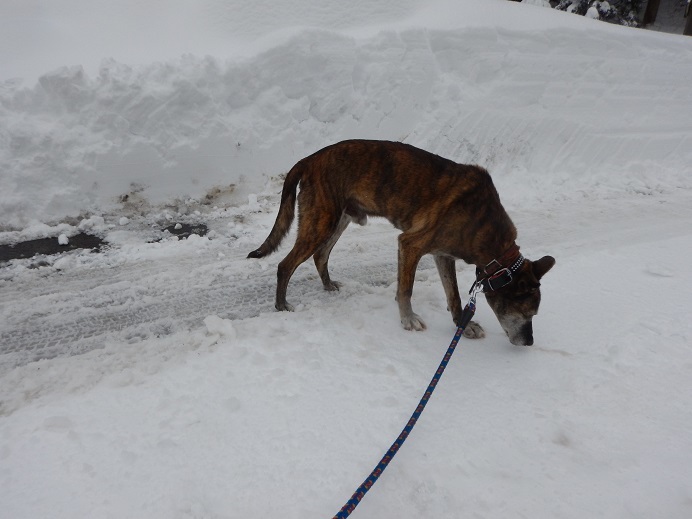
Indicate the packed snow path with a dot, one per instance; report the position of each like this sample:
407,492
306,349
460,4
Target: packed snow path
594,404
64,313
52,312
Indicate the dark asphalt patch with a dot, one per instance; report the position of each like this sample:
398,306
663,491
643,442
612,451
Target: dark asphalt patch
49,246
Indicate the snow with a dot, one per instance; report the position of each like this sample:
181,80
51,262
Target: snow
78,145
592,13
154,379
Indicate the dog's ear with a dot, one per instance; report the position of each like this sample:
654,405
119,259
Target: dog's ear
541,266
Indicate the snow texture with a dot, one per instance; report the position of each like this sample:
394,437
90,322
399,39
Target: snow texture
155,380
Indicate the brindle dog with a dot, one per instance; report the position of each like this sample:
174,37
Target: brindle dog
449,210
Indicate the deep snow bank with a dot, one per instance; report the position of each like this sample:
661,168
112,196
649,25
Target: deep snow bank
40,35
539,108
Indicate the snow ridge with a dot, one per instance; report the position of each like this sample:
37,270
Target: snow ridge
74,145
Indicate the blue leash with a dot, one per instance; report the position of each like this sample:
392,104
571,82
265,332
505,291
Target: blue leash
358,495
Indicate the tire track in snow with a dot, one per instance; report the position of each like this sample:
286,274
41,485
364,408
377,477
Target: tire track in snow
76,312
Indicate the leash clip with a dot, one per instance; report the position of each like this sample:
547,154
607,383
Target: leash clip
470,308
475,289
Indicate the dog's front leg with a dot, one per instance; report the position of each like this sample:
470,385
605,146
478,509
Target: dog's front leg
409,256
448,276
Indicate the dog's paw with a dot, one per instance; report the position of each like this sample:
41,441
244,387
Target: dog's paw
413,322
333,286
474,330
284,307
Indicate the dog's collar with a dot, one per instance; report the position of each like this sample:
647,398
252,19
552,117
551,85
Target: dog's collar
499,272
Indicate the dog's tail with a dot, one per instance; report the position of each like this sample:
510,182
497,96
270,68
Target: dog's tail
286,213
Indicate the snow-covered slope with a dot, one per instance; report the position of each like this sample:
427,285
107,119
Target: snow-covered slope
544,104
154,380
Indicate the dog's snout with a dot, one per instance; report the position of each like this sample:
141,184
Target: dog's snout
527,334
524,336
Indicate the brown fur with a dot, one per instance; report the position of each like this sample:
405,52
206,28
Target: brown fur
443,208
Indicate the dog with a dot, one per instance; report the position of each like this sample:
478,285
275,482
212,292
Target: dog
449,210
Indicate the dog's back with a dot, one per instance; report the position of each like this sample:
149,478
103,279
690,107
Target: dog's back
397,181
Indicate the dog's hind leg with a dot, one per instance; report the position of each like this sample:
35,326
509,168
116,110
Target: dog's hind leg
321,257
314,230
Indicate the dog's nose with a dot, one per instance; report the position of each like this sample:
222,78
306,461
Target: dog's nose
525,336
522,341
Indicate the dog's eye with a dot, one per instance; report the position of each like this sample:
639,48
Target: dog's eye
524,294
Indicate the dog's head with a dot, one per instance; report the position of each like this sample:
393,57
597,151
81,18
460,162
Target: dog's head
516,303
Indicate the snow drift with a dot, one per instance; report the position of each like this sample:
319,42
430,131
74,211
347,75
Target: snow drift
510,99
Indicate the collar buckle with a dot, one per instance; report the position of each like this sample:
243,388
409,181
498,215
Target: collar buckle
496,266
494,275
499,279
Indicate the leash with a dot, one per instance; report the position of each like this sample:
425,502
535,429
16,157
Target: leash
360,492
